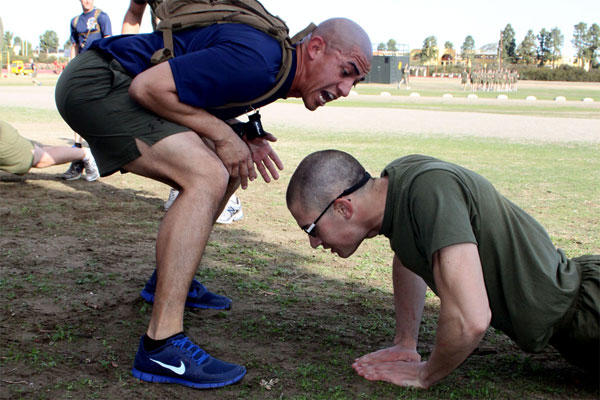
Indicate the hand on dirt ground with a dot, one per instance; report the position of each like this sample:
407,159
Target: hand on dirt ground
265,157
236,158
399,373
394,353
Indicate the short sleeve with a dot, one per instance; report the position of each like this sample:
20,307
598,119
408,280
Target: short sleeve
73,31
441,208
105,26
225,73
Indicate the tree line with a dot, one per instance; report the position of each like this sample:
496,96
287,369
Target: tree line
542,49
48,43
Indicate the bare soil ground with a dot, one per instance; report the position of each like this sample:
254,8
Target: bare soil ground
74,256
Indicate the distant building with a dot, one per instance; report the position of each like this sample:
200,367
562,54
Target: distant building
388,66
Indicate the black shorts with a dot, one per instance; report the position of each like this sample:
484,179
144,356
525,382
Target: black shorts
92,97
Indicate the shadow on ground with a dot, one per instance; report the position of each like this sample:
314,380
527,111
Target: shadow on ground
74,257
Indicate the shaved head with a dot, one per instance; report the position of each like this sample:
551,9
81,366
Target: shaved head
346,36
330,61
322,176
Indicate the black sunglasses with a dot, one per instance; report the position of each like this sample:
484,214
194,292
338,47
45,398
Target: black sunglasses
310,229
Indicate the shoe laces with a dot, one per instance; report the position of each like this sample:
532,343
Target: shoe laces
231,210
74,168
185,344
196,288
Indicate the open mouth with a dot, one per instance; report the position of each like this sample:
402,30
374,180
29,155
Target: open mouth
325,97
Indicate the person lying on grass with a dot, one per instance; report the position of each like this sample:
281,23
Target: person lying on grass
489,262
18,155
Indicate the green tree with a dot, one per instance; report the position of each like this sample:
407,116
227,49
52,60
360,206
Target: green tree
543,50
579,41
391,45
468,48
592,42
526,50
556,42
8,39
381,46
49,42
7,43
509,45
18,42
448,45
429,52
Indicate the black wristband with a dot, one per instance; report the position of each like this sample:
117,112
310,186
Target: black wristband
238,128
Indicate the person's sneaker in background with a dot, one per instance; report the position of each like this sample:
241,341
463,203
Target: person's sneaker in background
232,212
198,295
172,196
74,172
90,167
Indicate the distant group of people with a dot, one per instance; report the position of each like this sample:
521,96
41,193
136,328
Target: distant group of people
490,80
449,229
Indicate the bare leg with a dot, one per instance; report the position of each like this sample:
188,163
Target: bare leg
186,227
47,156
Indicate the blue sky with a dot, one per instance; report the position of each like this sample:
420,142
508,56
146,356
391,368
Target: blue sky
405,21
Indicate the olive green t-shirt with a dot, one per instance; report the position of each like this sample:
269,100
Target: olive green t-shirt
432,204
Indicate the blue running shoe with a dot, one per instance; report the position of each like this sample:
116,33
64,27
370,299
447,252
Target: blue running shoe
181,361
198,296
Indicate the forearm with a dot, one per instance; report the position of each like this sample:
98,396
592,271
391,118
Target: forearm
167,105
455,340
409,299
464,311
133,18
131,23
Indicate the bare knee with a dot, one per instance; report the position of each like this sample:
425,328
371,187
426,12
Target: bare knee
209,179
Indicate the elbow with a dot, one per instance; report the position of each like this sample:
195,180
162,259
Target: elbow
478,323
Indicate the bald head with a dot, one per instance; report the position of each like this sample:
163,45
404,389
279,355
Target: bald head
346,36
321,176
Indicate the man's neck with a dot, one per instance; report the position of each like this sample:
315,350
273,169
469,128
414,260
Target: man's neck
89,10
374,204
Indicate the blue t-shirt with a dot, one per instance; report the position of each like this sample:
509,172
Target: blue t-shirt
213,66
88,29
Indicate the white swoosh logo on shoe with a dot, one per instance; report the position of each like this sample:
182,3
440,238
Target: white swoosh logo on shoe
178,370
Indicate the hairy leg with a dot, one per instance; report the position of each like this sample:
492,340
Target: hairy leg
182,160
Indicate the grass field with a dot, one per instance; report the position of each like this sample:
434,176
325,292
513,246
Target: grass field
74,256
436,87
542,109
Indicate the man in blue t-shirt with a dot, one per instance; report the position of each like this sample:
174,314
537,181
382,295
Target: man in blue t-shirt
92,24
131,24
174,122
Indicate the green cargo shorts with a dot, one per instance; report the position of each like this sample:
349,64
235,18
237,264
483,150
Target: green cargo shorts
16,152
92,97
577,337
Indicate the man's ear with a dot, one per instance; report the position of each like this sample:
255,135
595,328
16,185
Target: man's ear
344,207
315,46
